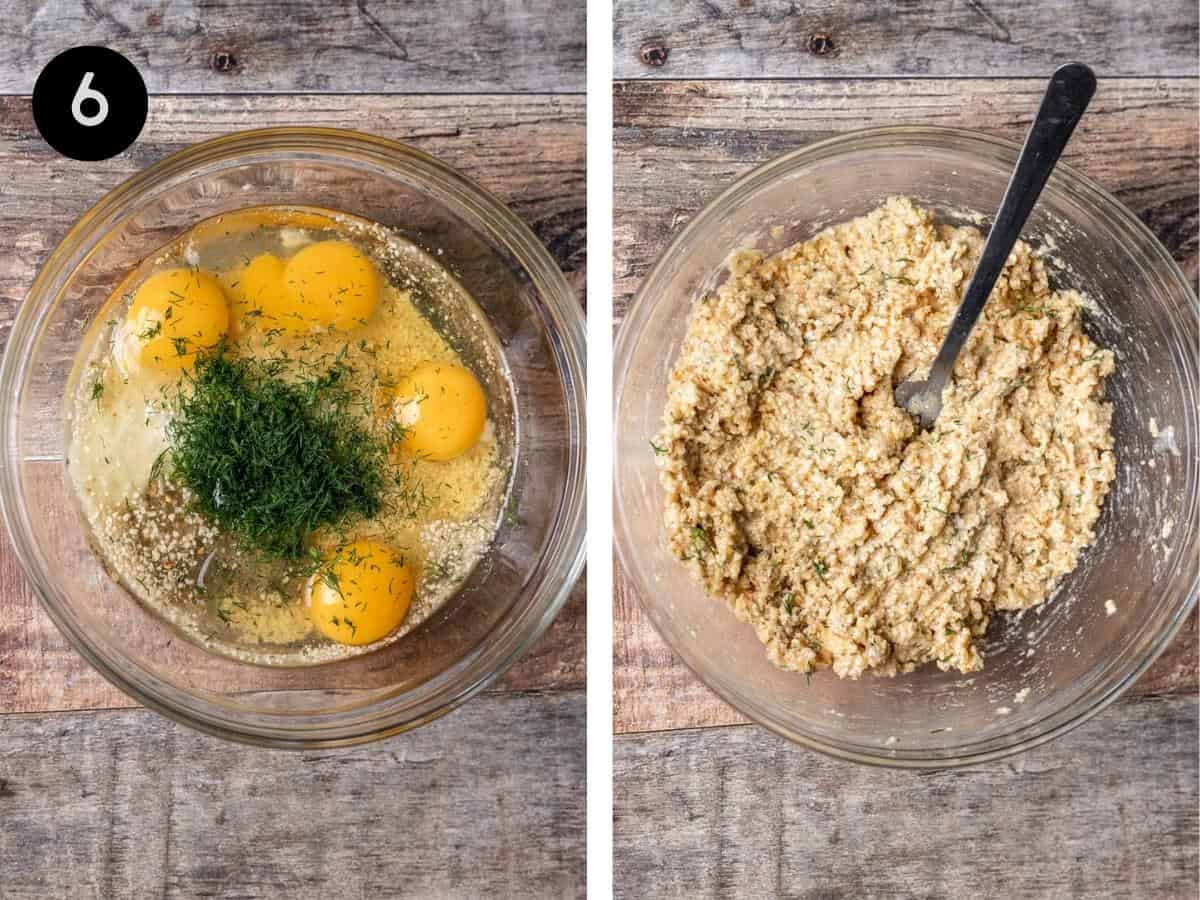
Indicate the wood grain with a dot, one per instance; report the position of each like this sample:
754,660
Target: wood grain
835,39
366,46
528,150
1107,811
679,144
488,801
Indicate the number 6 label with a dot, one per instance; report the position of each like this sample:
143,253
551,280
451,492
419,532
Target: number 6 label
86,92
90,103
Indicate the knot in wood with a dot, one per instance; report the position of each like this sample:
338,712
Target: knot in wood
821,44
223,61
654,53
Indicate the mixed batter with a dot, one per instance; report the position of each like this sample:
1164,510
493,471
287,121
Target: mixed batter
801,495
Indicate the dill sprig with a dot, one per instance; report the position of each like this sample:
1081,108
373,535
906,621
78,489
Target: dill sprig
271,459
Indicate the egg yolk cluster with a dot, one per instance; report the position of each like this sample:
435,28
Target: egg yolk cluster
178,312
440,409
362,594
330,284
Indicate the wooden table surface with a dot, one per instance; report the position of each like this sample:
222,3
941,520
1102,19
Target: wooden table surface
707,805
98,800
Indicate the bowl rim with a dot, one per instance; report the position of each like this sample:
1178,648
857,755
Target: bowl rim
907,136
566,550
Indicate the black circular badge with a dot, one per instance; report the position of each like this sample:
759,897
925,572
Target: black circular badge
90,103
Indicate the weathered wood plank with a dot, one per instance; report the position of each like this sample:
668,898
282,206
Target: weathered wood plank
677,145
1107,811
839,39
278,45
489,801
529,150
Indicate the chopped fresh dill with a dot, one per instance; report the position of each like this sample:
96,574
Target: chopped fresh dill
97,389
1039,311
658,451
396,433
271,460
820,567
964,557
700,540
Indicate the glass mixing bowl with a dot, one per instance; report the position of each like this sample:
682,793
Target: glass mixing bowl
511,596
1056,665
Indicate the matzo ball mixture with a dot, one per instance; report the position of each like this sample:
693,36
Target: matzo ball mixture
801,495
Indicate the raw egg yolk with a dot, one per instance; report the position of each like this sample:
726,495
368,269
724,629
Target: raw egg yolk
441,410
174,314
330,284
362,594
257,293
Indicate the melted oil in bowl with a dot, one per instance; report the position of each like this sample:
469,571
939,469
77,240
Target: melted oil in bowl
438,515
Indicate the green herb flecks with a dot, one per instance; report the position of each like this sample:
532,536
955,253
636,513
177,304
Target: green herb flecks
820,567
964,557
272,460
701,542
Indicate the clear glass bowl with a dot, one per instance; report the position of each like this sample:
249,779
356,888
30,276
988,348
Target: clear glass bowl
537,554
1070,654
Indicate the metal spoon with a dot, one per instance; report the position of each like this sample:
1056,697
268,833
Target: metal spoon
1067,96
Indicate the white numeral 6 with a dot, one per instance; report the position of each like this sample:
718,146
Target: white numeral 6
85,92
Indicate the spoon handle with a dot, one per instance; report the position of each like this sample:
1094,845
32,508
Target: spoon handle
1067,96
